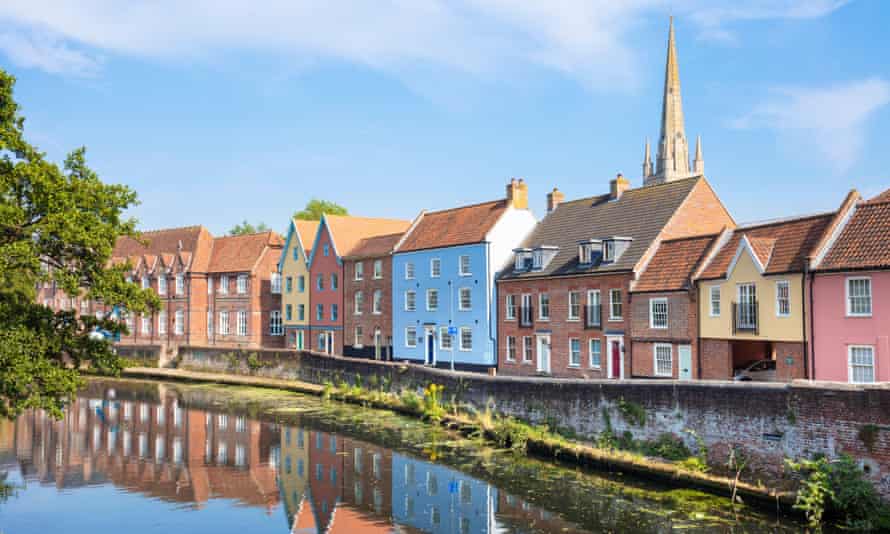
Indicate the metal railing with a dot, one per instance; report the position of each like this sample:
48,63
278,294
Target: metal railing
526,316
593,316
744,317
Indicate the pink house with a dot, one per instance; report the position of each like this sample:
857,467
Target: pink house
850,300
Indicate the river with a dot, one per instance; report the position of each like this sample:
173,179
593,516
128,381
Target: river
143,457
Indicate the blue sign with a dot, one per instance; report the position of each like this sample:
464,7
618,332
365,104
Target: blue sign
453,486
452,330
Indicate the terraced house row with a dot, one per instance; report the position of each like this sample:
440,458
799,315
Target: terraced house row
652,281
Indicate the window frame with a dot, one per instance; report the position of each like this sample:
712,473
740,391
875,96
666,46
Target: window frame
510,349
850,374
541,297
241,284
719,291
443,335
653,302
435,267
413,306
378,270
276,323
358,302
599,352
613,302
787,285
670,349
528,349
460,299
461,339
242,319
460,265
411,340
358,271
577,316
429,293
377,302
574,362
848,296
510,307
275,282
409,270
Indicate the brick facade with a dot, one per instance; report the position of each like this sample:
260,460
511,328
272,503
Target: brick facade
682,330
560,329
715,359
367,320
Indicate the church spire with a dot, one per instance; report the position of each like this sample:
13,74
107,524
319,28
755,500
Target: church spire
672,161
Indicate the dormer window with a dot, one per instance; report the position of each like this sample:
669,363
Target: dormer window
608,250
587,251
614,247
538,259
522,259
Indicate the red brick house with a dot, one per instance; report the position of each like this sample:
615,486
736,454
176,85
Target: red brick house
563,306
367,281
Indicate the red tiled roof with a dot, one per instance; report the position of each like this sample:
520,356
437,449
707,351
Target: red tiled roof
865,241
347,231
674,263
193,239
239,253
792,241
380,245
456,226
306,230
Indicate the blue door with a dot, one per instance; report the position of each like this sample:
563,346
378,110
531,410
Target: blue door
430,347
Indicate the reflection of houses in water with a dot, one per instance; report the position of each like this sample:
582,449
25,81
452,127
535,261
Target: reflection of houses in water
436,499
523,516
155,447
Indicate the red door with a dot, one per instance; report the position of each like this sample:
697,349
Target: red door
616,359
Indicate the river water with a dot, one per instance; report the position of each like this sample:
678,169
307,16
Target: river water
142,457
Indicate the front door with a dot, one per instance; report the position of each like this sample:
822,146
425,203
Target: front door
299,340
616,359
543,354
685,355
329,345
377,343
430,346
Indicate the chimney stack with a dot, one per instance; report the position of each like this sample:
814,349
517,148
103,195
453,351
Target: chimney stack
618,186
554,198
517,194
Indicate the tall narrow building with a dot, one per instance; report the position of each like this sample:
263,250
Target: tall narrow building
672,160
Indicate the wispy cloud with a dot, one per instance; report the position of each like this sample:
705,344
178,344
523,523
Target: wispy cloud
41,51
832,120
715,19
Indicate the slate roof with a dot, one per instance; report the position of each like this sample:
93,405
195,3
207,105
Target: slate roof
865,241
639,213
674,264
456,226
195,240
781,246
239,253
375,246
347,231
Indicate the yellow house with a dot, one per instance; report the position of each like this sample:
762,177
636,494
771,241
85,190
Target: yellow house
752,303
295,287
293,469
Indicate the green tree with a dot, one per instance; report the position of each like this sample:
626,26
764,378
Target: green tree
247,228
315,208
56,224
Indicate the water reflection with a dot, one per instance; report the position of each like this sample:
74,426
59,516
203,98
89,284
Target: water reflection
144,442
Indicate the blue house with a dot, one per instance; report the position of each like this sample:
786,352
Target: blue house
444,269
436,499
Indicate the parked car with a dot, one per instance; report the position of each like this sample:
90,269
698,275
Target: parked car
759,371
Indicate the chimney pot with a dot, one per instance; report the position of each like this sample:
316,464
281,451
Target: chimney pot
517,194
618,186
554,198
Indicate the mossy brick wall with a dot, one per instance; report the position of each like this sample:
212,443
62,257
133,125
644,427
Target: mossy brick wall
767,422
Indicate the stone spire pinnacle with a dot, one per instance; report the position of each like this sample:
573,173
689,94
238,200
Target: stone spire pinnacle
698,164
672,161
647,161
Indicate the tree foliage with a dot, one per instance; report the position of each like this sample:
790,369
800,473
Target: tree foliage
315,208
247,228
60,225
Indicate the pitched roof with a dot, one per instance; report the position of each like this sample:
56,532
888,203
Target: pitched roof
194,239
306,230
781,246
455,226
380,245
639,214
674,264
347,231
864,242
240,252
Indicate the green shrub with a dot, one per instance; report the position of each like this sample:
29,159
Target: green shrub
633,413
667,446
411,401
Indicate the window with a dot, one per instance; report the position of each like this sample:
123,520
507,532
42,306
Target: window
444,338
321,340
301,283
510,308
859,297
359,271
465,302
783,298
510,349
209,285
658,313
544,306
411,337
358,302
242,323
180,284
276,283
464,265
326,249
334,281
574,306
435,268
608,250
585,254
162,323
574,352
296,253
526,309
162,285
224,285
466,338
527,349
715,301
146,283
410,301
319,282
209,323
377,303
594,309
409,271
615,305
538,260
301,312
178,320
357,341
289,312
432,299
378,269
319,312
289,284
664,366
862,364
276,328
146,325
595,347
746,316
334,312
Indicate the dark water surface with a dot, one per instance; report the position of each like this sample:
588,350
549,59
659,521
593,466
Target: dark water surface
137,457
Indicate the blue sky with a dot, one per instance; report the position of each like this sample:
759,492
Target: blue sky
227,110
